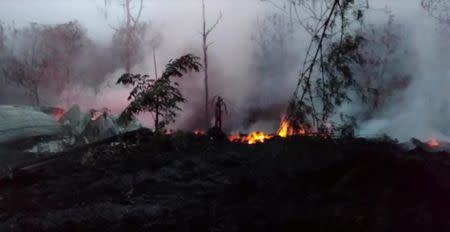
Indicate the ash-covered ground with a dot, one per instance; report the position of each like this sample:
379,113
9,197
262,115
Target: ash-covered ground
184,182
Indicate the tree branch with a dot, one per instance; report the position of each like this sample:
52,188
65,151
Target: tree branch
215,24
136,20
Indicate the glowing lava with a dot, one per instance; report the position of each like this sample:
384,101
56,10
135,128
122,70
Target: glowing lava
433,143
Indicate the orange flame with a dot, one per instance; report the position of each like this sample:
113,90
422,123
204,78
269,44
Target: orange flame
252,138
257,137
286,130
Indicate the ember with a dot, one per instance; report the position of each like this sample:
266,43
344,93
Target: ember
58,114
199,132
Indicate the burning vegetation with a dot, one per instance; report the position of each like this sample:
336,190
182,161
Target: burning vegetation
252,138
313,162
285,130
347,60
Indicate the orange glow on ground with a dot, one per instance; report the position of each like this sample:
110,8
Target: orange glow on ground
285,130
252,138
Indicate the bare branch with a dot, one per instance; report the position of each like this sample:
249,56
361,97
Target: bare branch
136,20
209,44
215,24
205,35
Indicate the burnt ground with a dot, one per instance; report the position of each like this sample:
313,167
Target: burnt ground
189,183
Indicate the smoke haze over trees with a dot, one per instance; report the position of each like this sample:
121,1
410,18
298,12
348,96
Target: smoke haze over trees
66,58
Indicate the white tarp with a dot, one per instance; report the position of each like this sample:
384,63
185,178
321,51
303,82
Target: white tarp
21,122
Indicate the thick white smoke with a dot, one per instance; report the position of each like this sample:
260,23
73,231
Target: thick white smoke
422,110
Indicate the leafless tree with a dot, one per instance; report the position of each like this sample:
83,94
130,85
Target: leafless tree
155,42
65,43
273,42
130,29
385,70
28,65
42,56
439,9
205,45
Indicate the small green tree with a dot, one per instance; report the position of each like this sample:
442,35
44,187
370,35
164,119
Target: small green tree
159,96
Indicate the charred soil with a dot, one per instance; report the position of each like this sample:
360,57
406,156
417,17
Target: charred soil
185,182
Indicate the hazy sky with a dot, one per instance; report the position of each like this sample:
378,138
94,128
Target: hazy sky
90,13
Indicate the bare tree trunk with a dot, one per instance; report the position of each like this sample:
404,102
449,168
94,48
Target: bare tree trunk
129,48
157,119
205,61
157,107
131,37
131,24
154,63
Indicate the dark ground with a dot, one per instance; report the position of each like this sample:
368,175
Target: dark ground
189,183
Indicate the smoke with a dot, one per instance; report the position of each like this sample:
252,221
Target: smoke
235,69
254,63
421,110
177,25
